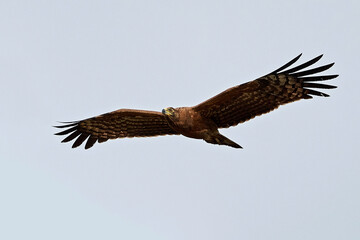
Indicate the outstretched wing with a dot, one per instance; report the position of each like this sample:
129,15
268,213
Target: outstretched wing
246,101
118,124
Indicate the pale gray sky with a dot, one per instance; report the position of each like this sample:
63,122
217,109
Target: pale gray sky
296,178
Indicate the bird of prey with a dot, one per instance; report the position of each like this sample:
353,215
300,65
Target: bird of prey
229,108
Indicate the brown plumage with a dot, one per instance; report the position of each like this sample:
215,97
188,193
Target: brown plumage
229,108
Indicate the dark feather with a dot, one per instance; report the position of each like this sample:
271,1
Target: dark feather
302,66
318,85
67,125
287,64
313,71
90,142
67,131
80,140
313,92
71,137
101,140
318,78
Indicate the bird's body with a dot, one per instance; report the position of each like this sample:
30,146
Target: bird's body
190,123
229,108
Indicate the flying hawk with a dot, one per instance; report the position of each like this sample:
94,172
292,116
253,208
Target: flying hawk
229,108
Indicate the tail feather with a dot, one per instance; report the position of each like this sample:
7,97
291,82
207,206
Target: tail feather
222,140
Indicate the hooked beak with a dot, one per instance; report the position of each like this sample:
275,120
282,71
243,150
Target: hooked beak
167,111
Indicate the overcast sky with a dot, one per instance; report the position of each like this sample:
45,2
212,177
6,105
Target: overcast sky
296,178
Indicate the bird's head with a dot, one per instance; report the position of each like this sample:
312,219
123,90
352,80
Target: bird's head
170,112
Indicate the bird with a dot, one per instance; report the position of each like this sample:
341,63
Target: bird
203,121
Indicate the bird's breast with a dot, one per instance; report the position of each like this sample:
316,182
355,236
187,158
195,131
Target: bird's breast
191,124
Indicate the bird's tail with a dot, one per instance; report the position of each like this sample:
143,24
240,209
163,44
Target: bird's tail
222,140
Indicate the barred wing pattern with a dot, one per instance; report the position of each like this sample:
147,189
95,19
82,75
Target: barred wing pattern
118,124
246,101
